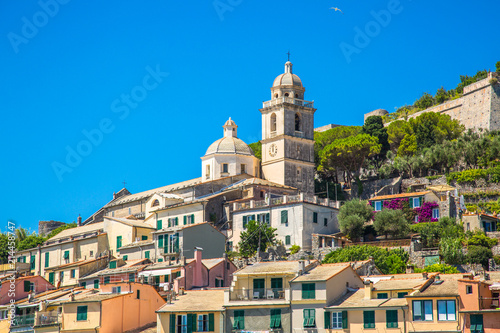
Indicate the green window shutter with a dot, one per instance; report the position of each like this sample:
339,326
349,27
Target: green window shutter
27,286
369,319
284,216
185,219
306,317
32,262
118,242
245,221
192,218
402,294
46,259
421,199
210,322
189,323
176,221
112,264
81,313
146,254
131,277
391,318
315,217
344,320
327,319
125,257
159,224
66,254
287,240
51,277
106,279
372,203
160,241
96,284
143,237
382,296
410,201
172,323
267,218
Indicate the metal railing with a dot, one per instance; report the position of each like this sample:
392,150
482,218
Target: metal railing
46,318
289,100
26,320
257,294
490,302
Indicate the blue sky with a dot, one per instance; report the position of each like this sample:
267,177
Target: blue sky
68,67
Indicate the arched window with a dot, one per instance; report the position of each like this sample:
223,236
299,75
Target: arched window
297,122
207,171
275,95
299,174
273,122
296,95
286,95
155,203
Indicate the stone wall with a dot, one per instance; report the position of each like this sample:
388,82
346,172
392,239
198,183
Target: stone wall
479,107
45,227
370,187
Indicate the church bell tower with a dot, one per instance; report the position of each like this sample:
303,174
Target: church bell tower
288,134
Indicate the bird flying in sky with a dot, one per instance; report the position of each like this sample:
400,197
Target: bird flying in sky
337,9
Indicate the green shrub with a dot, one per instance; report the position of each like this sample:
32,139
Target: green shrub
294,249
438,268
480,239
479,255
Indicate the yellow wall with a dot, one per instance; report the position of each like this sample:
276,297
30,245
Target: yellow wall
356,324
4,325
163,320
69,321
435,324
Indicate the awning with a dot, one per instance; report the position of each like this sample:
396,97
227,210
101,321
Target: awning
495,286
166,271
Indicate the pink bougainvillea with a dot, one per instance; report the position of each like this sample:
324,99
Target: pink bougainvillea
424,213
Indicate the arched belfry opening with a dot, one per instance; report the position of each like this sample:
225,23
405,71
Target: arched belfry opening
298,124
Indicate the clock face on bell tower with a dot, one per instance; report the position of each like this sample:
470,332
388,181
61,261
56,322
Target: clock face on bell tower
273,150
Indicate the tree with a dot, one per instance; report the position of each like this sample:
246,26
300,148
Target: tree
352,226
256,233
349,154
375,127
396,131
441,95
408,146
4,248
21,234
391,222
388,261
352,217
498,67
431,128
30,242
479,255
257,149
438,268
451,250
424,102
326,171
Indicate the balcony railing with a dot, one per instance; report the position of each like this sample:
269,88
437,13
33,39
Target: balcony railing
168,253
287,199
257,294
26,320
289,100
46,318
490,302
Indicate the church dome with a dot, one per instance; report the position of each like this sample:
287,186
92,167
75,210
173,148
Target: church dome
229,145
287,78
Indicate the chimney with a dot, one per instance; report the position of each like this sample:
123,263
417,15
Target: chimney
198,278
410,269
114,195
79,220
368,289
468,276
302,267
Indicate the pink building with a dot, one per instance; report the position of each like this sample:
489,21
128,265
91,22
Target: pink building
23,286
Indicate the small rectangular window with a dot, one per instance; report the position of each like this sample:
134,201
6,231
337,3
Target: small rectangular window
325,222
284,216
468,289
422,310
378,206
131,277
138,294
144,237
72,273
275,322
315,217
309,318
159,224
81,313
225,168
435,213
243,168
402,294
416,202
336,320
146,254
382,296
308,291
287,240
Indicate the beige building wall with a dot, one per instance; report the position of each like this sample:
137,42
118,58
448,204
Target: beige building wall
356,323
198,209
435,323
69,321
163,320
